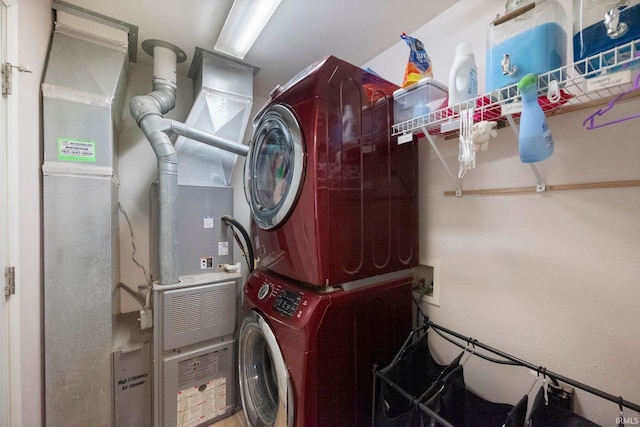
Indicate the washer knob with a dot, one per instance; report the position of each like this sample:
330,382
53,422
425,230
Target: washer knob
263,291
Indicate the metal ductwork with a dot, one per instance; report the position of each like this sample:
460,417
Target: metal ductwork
83,93
223,97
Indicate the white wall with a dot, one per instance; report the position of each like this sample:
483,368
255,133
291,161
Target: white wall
552,278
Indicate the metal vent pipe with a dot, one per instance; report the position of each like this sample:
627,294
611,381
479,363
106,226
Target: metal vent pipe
148,111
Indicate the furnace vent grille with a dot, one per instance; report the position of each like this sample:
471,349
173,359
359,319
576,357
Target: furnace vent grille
178,320
220,307
196,314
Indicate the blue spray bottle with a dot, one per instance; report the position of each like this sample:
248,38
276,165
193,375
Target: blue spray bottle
535,142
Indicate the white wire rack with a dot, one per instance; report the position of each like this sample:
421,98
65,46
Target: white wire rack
583,83
594,81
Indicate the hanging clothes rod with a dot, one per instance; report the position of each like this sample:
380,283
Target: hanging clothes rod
548,187
473,342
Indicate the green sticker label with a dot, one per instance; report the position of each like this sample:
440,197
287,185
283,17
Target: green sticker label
76,150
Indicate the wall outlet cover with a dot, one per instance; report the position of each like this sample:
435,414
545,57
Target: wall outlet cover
427,281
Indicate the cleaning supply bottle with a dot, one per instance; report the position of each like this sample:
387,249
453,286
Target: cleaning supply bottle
463,78
535,142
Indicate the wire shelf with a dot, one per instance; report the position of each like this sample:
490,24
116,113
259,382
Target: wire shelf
591,81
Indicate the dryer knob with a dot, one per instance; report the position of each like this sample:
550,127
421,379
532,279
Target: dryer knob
263,291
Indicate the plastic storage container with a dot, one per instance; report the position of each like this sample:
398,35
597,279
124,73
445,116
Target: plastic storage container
425,96
528,38
600,25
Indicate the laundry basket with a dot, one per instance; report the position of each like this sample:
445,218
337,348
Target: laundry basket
461,407
417,391
410,377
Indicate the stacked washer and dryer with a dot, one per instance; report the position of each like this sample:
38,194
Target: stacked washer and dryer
334,203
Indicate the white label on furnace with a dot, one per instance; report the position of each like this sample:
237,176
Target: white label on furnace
199,404
208,222
223,248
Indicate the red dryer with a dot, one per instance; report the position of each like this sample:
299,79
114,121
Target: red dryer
333,196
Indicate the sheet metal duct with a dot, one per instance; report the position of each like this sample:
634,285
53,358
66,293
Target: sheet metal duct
223,97
83,93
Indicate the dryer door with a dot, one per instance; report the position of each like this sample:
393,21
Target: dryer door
273,169
265,387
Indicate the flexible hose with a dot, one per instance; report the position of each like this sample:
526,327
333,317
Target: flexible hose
251,260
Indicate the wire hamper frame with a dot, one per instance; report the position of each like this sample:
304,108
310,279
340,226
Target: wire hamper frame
506,359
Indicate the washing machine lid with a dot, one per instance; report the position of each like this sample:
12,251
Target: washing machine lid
273,169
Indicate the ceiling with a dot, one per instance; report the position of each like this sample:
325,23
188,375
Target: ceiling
299,33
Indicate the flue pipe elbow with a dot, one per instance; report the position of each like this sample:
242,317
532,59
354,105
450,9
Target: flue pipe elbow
142,106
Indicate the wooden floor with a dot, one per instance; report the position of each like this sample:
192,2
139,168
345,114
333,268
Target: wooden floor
236,420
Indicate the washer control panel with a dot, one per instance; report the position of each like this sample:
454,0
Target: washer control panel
287,302
282,300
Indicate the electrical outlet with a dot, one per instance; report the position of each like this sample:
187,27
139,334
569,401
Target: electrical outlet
426,281
206,262
146,319
560,396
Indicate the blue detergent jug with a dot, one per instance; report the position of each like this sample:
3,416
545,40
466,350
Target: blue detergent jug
528,38
601,25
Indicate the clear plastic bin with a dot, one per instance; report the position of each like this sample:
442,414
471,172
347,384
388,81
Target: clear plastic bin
420,99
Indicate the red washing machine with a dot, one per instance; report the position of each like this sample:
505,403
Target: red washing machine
333,196
306,357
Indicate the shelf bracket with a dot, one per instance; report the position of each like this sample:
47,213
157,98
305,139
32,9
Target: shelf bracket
540,184
452,177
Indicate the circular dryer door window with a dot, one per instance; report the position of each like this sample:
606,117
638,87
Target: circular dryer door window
273,170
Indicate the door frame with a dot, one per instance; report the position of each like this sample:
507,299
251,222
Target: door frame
4,232
9,307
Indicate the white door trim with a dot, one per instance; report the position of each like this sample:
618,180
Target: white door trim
10,414
4,232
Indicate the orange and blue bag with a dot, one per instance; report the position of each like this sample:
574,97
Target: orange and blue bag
419,63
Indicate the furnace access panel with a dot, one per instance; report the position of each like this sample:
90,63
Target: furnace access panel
204,241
